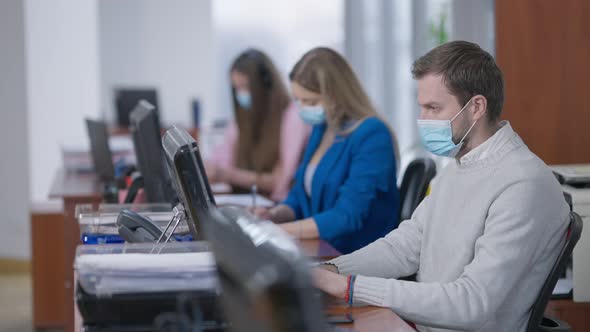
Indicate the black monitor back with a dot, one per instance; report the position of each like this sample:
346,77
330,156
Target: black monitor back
145,131
188,177
99,148
126,99
266,284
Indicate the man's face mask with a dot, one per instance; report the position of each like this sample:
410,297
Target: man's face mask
437,135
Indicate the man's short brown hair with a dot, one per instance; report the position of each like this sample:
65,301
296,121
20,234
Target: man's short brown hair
467,70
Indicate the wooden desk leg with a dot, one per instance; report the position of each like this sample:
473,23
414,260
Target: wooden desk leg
71,240
47,259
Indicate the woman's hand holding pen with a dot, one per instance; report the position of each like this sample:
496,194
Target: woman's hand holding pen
262,213
278,214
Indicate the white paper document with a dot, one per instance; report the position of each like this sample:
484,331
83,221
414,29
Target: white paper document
245,200
107,274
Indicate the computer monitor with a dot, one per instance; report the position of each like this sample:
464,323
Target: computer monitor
127,98
100,151
265,280
151,162
188,177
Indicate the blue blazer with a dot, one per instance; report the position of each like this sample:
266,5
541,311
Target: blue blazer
354,198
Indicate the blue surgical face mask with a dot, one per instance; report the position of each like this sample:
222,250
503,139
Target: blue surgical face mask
312,115
437,135
244,99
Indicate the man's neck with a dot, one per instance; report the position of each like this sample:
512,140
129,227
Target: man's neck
478,137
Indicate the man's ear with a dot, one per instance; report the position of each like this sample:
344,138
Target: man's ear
479,106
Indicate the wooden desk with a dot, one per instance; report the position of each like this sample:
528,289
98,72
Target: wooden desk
371,319
73,189
576,314
366,319
76,189
47,254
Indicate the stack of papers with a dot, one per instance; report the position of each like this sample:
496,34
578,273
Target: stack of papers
108,274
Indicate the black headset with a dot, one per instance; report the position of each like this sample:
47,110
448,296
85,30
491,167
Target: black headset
263,71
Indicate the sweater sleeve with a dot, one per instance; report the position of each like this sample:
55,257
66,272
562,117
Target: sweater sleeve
517,237
393,256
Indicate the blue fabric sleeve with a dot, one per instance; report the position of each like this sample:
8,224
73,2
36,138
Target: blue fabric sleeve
372,169
292,199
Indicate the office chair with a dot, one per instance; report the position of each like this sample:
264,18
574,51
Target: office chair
414,185
568,200
537,321
566,195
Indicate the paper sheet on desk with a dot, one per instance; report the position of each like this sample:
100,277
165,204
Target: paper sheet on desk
221,188
109,285
242,200
563,286
110,274
146,264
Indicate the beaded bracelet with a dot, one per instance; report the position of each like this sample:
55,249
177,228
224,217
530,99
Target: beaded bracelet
347,296
350,289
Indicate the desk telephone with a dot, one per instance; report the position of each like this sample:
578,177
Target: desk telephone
134,227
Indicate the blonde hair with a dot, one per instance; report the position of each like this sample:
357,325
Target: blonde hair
326,72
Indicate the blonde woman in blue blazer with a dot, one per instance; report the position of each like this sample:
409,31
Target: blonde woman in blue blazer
345,189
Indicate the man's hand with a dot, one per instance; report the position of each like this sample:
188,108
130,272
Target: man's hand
330,282
329,267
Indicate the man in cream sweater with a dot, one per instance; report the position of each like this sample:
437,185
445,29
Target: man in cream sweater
484,240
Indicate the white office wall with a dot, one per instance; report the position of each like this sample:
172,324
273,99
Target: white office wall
63,77
380,42
14,176
285,30
165,44
474,21
384,37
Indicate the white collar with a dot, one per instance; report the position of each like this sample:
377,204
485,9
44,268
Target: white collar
491,145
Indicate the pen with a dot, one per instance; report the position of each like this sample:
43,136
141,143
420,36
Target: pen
254,190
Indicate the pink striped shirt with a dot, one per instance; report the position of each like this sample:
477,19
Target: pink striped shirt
294,135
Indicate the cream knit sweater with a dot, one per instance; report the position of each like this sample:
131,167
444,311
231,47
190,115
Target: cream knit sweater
482,244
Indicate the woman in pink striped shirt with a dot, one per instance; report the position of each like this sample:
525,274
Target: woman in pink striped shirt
263,145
